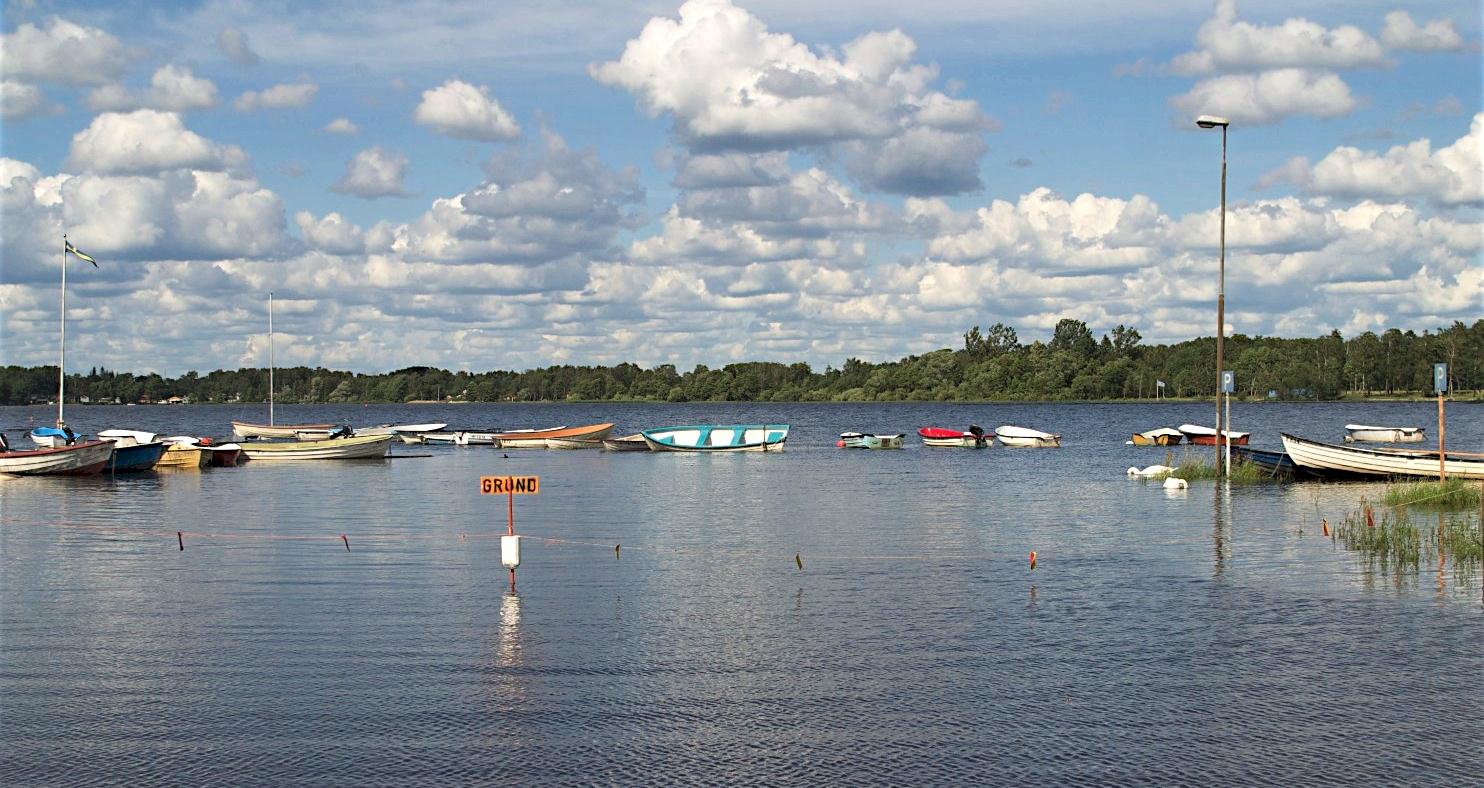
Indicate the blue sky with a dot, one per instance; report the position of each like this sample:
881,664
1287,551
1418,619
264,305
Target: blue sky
477,185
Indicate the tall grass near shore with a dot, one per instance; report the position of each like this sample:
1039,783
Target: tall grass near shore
1242,472
1451,495
1390,536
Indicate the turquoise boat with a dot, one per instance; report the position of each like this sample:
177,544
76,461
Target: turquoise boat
717,437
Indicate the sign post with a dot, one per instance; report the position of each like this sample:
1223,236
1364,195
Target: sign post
1228,385
1440,385
510,486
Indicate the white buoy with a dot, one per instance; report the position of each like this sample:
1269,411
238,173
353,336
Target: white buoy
510,551
1172,483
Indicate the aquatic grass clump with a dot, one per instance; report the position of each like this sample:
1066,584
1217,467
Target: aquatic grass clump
1450,495
1391,538
1462,540
1242,472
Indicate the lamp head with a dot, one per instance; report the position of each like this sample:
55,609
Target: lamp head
1212,121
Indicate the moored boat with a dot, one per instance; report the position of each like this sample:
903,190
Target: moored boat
52,437
352,448
1332,459
1163,436
1275,463
574,443
633,442
83,458
861,440
536,439
245,429
944,438
1362,433
133,450
224,455
183,451
318,434
1206,436
717,437
1027,438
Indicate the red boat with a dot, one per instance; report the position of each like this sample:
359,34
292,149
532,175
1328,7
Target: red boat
83,458
1205,436
939,437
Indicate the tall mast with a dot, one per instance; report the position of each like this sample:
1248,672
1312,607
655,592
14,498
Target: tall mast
62,363
270,358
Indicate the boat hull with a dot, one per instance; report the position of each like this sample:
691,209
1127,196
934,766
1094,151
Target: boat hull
1164,436
881,442
717,438
574,443
183,455
138,457
80,459
1206,436
536,439
245,429
366,447
633,442
1330,458
1026,438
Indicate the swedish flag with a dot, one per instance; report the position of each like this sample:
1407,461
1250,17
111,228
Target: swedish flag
73,250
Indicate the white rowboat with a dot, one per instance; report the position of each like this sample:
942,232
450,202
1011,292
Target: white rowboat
333,449
1329,458
1361,433
1027,438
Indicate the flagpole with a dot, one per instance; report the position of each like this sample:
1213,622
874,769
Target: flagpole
270,358
62,363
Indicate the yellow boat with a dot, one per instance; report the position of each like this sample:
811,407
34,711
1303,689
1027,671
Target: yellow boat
1164,436
184,455
353,448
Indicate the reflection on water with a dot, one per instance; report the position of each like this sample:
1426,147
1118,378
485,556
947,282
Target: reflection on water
1163,637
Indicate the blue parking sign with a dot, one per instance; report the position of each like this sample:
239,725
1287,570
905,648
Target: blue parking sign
1440,378
1228,381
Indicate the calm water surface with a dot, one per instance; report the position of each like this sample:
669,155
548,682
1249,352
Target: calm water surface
1206,636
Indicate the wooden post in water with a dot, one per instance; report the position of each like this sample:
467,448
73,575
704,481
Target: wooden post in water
1442,452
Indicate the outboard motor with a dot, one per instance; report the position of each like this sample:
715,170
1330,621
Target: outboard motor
978,433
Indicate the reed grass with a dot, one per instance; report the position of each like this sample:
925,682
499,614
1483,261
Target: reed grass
1242,472
1389,536
1451,495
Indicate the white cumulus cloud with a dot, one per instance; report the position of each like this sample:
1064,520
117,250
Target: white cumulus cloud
374,172
286,96
731,84
1269,97
342,126
19,100
1402,33
1226,44
62,52
172,89
1453,175
459,109
146,141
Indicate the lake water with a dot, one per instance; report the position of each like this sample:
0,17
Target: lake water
1206,636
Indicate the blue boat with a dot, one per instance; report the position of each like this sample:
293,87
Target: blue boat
139,457
717,437
1276,463
53,437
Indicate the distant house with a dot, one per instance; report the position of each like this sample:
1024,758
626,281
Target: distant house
176,401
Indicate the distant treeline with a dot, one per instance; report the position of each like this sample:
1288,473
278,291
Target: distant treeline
991,365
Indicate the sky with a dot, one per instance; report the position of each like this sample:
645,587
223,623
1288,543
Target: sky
508,185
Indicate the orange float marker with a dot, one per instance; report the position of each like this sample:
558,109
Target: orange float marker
1325,525
1033,560
1370,519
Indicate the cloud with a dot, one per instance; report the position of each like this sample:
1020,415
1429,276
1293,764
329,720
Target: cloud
459,109
1225,44
732,85
286,96
172,89
19,101
233,43
537,206
374,172
733,168
1269,97
341,126
1402,33
63,53
1453,175
332,234
146,141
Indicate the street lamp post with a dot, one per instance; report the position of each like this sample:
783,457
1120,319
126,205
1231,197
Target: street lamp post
1211,122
